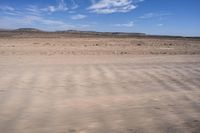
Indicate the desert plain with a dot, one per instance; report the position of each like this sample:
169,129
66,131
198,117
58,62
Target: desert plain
71,83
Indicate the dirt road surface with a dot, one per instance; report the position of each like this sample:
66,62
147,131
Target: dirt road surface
99,93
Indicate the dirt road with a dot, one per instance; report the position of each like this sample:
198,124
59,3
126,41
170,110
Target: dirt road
68,84
100,94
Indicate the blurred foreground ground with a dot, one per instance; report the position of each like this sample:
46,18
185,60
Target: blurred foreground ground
99,85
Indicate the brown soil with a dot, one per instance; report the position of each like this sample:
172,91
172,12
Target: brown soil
99,85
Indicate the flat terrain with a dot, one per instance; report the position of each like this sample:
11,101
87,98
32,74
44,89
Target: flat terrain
99,85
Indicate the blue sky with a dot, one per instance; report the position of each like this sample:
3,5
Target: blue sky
169,17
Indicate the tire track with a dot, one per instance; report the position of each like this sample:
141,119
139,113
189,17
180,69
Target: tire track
158,78
70,83
38,111
187,79
95,85
23,99
105,80
177,81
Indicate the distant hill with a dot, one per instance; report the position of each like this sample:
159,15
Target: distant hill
28,30
1,29
4,32
101,33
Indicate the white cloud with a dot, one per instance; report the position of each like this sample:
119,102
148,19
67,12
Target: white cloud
7,8
72,11
33,21
130,24
74,4
84,25
160,25
147,15
93,1
13,13
78,16
10,10
139,1
51,8
154,15
112,6
43,23
62,6
33,10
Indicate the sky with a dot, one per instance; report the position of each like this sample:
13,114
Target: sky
160,17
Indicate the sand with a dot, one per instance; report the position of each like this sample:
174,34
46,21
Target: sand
99,85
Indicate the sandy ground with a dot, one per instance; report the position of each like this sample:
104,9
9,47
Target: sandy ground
98,92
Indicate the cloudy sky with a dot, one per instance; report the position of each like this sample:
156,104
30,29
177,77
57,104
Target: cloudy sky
171,17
